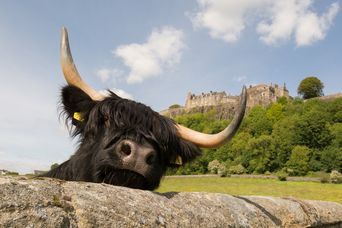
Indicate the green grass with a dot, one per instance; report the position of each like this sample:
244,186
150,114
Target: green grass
253,186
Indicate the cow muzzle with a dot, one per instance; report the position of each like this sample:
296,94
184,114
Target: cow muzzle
136,157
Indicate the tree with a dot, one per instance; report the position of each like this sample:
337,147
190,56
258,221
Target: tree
175,106
299,160
284,138
257,122
332,159
312,130
310,87
275,112
261,149
53,166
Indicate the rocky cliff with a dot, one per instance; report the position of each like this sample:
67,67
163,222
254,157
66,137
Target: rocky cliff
222,112
53,203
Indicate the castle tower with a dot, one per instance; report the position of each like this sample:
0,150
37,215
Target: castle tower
188,100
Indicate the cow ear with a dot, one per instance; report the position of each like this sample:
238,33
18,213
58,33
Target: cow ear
76,104
186,153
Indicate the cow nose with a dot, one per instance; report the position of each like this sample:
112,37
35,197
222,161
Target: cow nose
126,149
150,157
137,157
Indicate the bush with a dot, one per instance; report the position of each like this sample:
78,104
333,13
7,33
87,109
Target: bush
324,179
298,164
222,170
237,169
316,174
282,176
175,106
268,173
213,166
12,174
336,177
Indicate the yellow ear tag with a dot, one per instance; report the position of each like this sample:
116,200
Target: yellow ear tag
77,116
179,160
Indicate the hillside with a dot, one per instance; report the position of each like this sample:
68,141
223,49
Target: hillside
290,136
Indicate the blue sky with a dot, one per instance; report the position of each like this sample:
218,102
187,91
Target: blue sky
154,52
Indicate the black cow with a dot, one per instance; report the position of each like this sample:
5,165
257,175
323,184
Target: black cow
122,142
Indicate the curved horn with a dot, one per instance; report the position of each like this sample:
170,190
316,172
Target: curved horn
70,72
216,140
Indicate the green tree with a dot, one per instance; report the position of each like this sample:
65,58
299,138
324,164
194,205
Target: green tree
310,87
275,112
257,122
53,166
336,132
332,159
312,130
175,106
240,153
299,160
282,100
261,153
283,136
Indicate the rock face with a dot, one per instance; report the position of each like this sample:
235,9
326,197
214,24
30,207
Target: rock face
53,203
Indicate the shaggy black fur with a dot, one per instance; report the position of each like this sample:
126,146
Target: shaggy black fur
104,124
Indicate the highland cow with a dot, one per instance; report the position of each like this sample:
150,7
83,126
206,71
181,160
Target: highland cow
123,142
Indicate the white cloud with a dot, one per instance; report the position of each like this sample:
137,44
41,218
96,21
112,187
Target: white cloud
224,19
312,28
276,21
105,74
294,17
163,49
119,92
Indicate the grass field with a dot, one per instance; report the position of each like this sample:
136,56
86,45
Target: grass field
253,186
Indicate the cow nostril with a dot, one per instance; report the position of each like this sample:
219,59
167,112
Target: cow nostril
150,159
126,149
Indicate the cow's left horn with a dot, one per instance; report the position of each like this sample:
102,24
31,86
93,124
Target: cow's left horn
70,72
216,140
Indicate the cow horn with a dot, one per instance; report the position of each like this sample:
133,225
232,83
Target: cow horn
216,140
70,72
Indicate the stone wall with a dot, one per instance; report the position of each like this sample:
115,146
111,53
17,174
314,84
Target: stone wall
265,94
209,99
54,203
330,97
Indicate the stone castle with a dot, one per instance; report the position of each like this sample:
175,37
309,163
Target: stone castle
257,95
261,94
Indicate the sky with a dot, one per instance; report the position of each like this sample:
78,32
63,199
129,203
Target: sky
154,52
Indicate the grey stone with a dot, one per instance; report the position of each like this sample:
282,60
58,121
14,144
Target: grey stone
54,203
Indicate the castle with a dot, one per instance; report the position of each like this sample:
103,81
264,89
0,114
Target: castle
257,95
261,94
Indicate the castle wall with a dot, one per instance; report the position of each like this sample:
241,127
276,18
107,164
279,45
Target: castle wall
209,99
257,95
262,95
